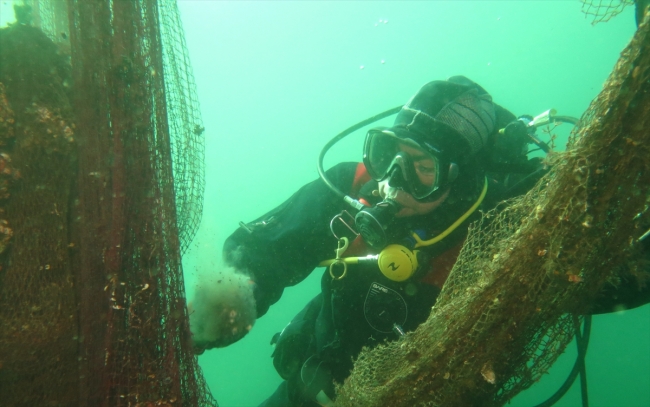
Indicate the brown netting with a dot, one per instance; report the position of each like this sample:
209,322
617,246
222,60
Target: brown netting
603,10
184,121
507,311
100,191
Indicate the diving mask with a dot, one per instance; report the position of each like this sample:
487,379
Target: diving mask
418,168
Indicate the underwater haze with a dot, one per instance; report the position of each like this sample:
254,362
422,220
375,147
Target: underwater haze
276,80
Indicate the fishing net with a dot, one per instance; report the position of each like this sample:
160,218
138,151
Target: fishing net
531,266
101,180
185,125
603,10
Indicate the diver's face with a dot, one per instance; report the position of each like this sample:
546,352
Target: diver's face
410,205
425,169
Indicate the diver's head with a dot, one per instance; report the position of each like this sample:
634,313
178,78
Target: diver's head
435,134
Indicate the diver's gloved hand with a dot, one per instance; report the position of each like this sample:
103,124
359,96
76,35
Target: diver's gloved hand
516,130
515,133
511,144
223,310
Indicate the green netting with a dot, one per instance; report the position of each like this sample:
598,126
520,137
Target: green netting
185,124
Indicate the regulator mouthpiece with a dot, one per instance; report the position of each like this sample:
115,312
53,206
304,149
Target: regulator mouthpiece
373,222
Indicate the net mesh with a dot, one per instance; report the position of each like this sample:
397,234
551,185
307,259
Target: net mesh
185,125
509,307
100,191
603,10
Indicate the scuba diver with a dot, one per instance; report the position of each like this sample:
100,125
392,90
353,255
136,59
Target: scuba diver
451,153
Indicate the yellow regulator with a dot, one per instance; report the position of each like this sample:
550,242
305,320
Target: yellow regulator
397,262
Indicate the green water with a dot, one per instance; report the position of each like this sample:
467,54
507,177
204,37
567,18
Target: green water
276,80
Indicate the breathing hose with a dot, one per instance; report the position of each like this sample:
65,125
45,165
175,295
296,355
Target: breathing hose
582,341
340,136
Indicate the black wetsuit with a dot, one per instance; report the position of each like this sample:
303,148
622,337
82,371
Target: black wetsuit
282,247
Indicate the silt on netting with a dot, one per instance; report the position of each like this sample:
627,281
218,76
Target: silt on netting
531,266
101,183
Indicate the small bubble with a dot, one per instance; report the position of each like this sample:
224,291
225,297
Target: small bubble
385,21
361,67
383,62
381,21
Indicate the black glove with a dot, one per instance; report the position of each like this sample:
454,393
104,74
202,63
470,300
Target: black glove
510,146
514,138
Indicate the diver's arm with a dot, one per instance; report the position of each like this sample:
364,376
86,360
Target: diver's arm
633,290
627,295
262,258
281,248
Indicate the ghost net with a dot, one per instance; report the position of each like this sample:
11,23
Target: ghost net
101,182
